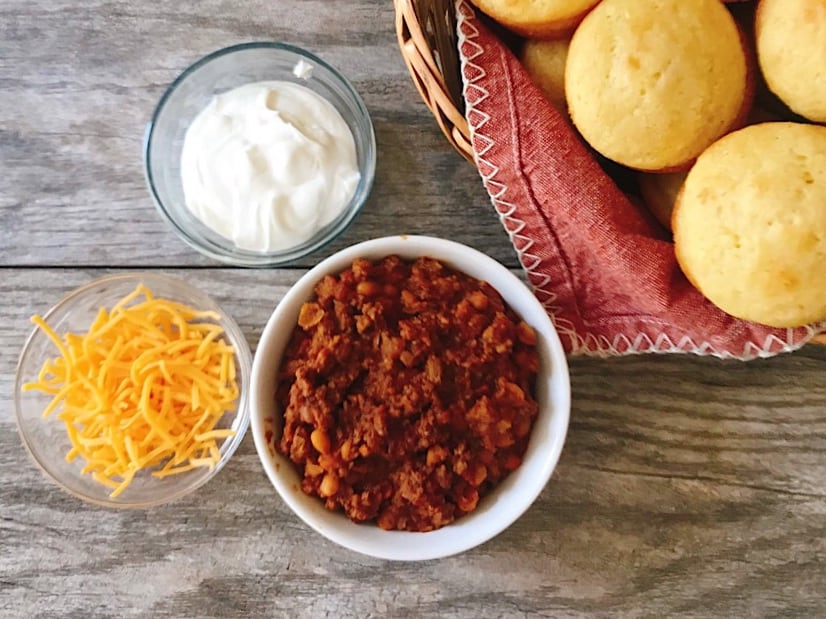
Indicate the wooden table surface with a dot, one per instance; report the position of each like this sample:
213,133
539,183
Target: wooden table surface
688,486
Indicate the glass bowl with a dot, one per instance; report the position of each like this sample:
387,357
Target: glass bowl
47,440
508,500
218,72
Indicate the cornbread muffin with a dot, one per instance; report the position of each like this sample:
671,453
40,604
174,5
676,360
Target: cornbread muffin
750,223
652,84
791,50
537,18
544,60
659,193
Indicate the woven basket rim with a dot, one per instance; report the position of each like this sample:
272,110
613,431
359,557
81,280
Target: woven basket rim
415,43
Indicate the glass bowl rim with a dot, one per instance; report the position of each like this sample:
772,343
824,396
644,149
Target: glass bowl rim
233,255
243,356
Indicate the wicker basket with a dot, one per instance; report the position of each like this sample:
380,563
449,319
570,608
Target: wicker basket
426,33
427,38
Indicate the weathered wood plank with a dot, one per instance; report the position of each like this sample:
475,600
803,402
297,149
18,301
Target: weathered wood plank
688,487
79,81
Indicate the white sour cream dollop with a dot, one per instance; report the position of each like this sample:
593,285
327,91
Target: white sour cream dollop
268,164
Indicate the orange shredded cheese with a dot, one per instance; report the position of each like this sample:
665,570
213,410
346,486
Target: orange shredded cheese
142,389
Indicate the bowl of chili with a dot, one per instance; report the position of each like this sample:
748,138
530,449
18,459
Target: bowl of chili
409,398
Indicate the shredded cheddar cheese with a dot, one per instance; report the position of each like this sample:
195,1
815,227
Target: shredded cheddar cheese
142,389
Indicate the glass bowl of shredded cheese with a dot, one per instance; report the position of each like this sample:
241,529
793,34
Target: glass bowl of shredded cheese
132,390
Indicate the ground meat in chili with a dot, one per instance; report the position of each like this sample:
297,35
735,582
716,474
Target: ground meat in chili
407,392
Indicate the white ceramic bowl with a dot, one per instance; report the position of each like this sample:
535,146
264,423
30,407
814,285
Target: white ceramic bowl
511,497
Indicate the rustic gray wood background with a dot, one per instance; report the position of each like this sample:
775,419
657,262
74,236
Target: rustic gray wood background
688,487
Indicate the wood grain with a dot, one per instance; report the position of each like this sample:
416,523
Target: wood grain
688,487
79,81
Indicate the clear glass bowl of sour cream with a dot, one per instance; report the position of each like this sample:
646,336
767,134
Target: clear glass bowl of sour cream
259,154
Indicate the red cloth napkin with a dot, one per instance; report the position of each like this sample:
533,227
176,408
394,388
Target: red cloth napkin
604,270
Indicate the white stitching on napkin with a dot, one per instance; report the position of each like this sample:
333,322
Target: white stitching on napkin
589,344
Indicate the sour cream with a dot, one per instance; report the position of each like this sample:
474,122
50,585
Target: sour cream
268,164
